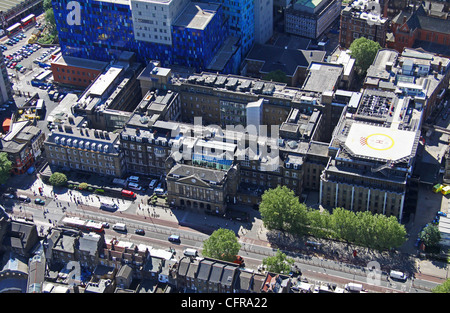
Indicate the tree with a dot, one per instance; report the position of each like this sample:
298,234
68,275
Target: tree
430,236
5,167
47,4
443,288
281,209
83,186
364,50
222,244
50,19
58,179
279,263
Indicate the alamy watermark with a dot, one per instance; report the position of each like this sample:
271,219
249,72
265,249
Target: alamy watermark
374,273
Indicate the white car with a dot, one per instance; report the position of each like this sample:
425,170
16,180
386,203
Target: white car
134,186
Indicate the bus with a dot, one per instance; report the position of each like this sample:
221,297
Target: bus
40,106
28,21
83,225
13,29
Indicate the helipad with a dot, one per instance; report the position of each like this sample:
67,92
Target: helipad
379,142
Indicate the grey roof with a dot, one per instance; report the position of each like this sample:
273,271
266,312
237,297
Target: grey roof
228,274
193,269
196,15
89,244
216,272
283,58
204,269
183,266
200,173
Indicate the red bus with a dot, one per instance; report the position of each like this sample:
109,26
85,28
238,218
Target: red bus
85,225
28,21
128,194
13,29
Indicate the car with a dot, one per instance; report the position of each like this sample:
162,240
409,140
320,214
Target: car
8,196
139,231
152,184
39,201
105,225
134,186
440,213
174,238
24,198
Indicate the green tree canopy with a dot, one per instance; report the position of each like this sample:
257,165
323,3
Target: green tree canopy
5,167
47,4
279,263
58,179
364,50
443,288
430,236
222,244
280,209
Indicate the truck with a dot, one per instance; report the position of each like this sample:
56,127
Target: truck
354,287
120,227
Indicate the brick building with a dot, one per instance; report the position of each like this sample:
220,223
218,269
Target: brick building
419,27
76,71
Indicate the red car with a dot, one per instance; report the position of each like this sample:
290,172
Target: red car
13,65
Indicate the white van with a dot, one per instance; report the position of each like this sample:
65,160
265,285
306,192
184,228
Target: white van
397,275
152,184
133,179
354,287
190,252
120,227
159,191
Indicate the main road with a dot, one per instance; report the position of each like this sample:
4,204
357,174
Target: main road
158,229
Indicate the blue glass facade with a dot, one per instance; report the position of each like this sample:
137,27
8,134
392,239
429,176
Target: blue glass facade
107,29
241,21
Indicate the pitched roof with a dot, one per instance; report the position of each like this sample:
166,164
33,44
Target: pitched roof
283,58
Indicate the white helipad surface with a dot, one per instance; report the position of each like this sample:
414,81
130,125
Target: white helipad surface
380,142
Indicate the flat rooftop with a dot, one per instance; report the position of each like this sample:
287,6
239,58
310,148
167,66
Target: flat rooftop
380,143
196,15
79,62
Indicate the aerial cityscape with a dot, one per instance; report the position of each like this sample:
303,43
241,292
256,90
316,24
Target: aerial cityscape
224,147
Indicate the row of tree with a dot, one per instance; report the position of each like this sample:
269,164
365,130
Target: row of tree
281,210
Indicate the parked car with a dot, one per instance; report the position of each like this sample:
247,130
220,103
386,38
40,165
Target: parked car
105,225
24,198
8,196
440,213
39,201
134,186
140,231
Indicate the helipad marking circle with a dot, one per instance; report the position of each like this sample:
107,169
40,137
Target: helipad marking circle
380,142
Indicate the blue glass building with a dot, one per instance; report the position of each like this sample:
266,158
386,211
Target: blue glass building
106,29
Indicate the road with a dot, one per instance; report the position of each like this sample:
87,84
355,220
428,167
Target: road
157,230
